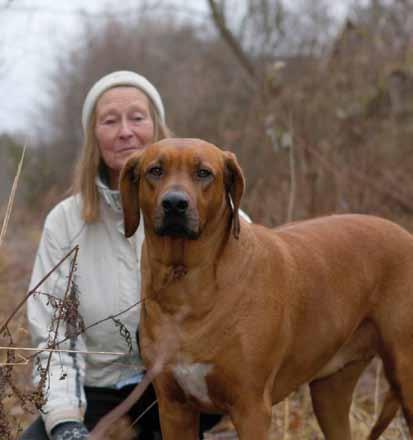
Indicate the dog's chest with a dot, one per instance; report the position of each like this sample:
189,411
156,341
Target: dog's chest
192,379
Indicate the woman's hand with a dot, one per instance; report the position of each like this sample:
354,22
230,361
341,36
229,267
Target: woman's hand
70,431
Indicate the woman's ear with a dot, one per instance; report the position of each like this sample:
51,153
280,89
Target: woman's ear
234,186
129,191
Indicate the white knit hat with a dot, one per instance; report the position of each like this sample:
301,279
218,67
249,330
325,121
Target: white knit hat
117,79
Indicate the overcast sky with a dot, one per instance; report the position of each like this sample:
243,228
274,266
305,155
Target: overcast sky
30,32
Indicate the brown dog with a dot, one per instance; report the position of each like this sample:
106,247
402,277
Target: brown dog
243,315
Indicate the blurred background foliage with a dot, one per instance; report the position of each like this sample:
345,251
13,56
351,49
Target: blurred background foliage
318,110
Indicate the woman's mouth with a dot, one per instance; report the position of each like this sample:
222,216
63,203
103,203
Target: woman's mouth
126,149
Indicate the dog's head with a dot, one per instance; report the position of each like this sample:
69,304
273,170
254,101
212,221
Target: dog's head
180,184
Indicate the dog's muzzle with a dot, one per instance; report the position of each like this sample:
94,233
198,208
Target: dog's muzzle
175,217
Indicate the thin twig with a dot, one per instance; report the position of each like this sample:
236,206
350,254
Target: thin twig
12,197
63,351
32,291
40,350
144,412
65,297
293,183
15,364
24,360
286,418
108,318
377,389
48,295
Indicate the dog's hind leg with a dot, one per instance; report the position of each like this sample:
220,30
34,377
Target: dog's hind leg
398,368
396,350
390,406
332,397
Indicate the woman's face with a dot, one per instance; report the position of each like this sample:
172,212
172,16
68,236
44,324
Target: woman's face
123,125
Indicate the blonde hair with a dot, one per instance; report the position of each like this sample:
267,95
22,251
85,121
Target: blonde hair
90,165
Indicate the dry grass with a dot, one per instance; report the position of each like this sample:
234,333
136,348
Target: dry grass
15,267
303,425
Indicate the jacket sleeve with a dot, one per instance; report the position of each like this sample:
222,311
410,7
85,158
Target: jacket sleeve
64,381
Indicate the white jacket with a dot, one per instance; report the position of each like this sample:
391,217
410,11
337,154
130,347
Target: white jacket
108,282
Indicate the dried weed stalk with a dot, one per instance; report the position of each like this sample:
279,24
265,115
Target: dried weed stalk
34,399
12,197
65,313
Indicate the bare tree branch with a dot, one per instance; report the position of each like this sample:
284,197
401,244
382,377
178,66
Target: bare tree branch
232,42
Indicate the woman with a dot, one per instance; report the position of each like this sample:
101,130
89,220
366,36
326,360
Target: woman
122,113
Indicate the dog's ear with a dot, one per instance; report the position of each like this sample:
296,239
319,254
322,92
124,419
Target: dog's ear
129,191
234,185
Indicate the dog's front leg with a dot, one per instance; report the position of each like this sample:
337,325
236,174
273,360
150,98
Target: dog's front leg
178,421
252,420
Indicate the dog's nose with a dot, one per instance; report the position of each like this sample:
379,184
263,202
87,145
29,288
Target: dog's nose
175,202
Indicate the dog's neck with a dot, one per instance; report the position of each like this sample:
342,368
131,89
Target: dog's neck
197,287
170,264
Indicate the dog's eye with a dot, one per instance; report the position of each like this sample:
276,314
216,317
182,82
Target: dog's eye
155,171
203,173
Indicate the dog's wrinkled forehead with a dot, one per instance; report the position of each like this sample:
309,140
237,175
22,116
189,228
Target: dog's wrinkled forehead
183,151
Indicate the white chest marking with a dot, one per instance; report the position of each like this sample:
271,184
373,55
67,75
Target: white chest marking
191,378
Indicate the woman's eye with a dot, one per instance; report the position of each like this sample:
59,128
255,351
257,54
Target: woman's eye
203,173
156,171
108,121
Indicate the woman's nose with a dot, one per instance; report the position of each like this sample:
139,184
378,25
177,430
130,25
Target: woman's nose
125,130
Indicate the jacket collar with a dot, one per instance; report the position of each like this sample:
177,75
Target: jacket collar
110,196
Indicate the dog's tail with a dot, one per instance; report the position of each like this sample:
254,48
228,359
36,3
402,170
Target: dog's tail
390,407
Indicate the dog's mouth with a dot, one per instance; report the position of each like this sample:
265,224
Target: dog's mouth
176,226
